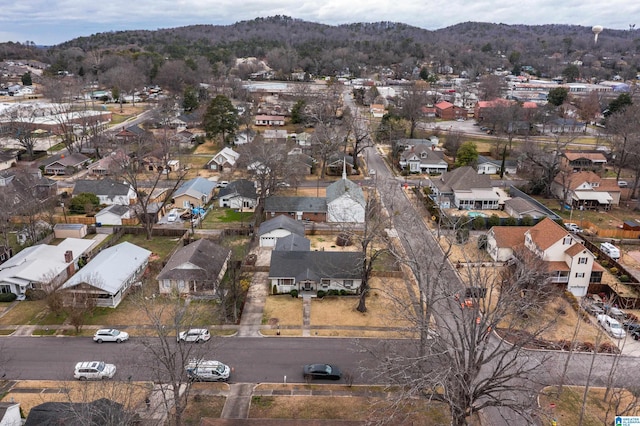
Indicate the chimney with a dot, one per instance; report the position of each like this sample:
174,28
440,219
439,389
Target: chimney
68,256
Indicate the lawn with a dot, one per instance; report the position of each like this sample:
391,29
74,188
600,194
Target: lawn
33,313
359,408
160,246
219,217
284,310
566,410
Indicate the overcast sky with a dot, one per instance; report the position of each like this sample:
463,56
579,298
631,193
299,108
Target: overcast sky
48,22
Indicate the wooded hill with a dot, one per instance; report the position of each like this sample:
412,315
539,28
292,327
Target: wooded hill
320,49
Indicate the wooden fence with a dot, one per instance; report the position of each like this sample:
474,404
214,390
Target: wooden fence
609,233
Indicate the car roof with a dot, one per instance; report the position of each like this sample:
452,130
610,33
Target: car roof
105,330
197,330
85,364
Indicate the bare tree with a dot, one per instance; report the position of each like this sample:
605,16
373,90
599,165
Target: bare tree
358,135
544,159
412,103
623,128
491,87
456,361
146,180
168,316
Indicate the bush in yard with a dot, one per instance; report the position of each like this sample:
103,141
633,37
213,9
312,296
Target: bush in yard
494,220
321,294
614,271
510,221
333,292
294,293
343,292
343,240
7,297
624,278
479,223
274,289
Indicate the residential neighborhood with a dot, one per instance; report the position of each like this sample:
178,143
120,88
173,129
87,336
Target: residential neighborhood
264,220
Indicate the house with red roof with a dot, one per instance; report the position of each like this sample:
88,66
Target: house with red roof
448,111
568,261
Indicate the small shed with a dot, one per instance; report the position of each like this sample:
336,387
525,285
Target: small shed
70,230
631,225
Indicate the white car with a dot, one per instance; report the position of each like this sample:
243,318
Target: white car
611,326
572,227
110,335
172,216
94,370
196,335
207,371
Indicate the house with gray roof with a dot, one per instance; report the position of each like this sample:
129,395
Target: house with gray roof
108,276
194,193
272,230
62,164
310,271
423,159
300,208
466,189
108,191
345,201
293,242
195,268
489,166
239,194
519,207
113,214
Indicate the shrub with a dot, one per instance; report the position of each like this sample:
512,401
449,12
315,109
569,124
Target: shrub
333,292
510,221
321,294
294,293
7,297
343,292
494,220
343,240
614,270
479,223
274,289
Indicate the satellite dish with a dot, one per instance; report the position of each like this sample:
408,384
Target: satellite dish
597,29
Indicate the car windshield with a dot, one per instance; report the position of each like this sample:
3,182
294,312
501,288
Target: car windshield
614,325
100,366
114,332
219,369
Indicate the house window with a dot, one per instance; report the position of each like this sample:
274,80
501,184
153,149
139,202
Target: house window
180,284
566,241
582,261
166,283
348,283
579,274
5,289
285,281
325,282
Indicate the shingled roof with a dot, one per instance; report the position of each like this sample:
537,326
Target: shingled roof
199,261
296,204
107,187
316,265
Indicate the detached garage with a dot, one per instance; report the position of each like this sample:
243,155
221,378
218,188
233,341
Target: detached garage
69,230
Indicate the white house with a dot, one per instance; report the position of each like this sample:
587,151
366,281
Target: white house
226,157
240,194
10,414
108,191
279,227
113,215
109,275
345,201
568,261
42,265
269,120
466,189
310,271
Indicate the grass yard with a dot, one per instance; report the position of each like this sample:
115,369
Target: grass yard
31,312
30,393
417,413
284,310
220,218
160,246
382,310
566,410
202,406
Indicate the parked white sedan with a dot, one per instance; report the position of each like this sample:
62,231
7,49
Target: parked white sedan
110,335
611,326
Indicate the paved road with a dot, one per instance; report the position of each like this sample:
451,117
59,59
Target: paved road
254,359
